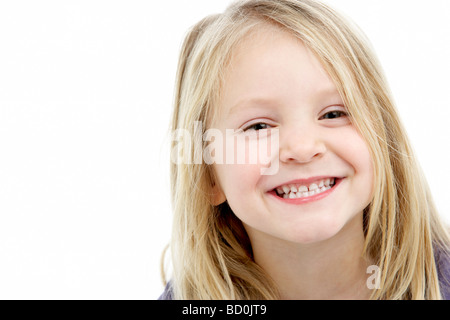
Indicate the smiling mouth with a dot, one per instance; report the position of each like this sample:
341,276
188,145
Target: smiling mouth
299,191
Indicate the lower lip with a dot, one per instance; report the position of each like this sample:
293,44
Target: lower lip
305,200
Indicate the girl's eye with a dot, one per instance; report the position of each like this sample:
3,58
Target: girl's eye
334,114
257,126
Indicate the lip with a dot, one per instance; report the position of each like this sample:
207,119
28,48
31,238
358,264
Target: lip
310,199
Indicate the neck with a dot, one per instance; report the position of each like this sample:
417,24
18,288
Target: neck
329,269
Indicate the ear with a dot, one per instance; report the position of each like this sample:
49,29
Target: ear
218,196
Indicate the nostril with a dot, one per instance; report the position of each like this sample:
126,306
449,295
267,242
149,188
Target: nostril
301,154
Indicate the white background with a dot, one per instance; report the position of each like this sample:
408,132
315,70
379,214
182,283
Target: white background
86,92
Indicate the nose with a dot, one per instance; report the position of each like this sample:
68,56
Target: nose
301,145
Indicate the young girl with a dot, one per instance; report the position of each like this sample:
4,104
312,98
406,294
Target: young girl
347,214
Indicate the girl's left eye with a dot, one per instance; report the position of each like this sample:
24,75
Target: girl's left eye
334,114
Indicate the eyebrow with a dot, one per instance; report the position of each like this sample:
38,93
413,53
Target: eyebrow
251,103
258,102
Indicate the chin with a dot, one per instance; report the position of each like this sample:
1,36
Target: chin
317,231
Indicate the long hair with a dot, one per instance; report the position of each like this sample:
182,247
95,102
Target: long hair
210,250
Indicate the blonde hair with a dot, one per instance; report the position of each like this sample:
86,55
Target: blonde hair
210,250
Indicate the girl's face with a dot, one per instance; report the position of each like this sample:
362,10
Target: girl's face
325,173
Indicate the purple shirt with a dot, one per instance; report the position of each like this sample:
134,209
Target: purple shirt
443,268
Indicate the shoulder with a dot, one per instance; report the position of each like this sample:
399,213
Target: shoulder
167,294
443,268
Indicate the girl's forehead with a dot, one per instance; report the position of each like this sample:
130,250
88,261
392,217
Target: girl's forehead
264,47
270,62
256,37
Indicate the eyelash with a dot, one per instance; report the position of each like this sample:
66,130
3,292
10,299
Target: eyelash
342,114
256,124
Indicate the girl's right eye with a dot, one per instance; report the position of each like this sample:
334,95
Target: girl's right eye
257,126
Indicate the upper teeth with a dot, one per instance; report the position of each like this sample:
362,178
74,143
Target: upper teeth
297,190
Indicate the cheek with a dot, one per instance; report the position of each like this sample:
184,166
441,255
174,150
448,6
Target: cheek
241,170
352,148
237,181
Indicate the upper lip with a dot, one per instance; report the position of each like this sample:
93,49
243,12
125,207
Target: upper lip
305,182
